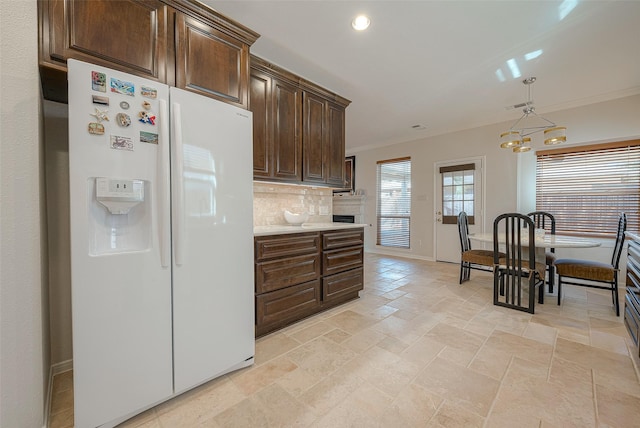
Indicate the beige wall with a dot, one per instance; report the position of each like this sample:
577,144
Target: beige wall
56,153
24,355
510,178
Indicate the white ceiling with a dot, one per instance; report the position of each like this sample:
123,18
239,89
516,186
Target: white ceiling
434,63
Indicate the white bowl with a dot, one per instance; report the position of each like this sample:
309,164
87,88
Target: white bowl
296,219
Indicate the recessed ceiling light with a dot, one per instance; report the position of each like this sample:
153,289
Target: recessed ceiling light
360,22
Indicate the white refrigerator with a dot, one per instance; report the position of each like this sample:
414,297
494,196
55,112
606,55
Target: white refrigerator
161,241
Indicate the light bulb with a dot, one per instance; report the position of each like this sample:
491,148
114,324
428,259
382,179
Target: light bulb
360,22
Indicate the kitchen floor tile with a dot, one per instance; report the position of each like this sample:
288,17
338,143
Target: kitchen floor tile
419,350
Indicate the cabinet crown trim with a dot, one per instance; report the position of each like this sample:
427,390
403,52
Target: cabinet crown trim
223,23
265,66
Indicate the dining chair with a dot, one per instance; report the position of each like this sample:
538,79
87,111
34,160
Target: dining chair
546,221
516,273
469,258
585,273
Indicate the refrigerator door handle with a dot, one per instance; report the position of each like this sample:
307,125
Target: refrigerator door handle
164,190
178,190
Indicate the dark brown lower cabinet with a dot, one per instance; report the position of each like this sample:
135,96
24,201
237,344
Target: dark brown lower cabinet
345,284
298,275
336,261
276,274
632,297
280,308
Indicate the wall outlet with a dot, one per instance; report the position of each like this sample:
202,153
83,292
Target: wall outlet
312,209
324,210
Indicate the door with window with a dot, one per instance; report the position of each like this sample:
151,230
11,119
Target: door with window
458,188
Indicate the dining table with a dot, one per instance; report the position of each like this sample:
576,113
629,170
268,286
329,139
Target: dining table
543,241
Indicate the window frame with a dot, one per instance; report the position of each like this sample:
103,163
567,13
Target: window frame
453,219
403,238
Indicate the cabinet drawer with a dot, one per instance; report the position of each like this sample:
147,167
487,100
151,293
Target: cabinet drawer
633,275
279,308
338,285
268,247
349,238
281,273
340,260
632,316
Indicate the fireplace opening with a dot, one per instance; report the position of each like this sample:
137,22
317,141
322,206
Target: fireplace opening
344,218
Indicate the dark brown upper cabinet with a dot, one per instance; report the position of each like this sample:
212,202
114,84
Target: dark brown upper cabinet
314,138
298,128
276,104
260,106
179,42
210,62
323,141
336,136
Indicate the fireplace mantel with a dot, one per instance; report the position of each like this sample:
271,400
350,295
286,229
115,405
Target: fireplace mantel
346,204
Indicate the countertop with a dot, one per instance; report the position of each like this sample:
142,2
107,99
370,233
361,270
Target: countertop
279,229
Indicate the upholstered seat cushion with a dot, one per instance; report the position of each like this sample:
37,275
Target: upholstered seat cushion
585,269
479,257
551,257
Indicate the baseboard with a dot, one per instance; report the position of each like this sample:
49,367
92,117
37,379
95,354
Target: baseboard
54,370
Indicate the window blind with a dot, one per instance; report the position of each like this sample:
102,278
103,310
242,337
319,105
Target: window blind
394,202
586,188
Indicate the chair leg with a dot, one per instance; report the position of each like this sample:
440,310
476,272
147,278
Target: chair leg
541,293
559,289
496,274
552,277
616,298
532,295
465,272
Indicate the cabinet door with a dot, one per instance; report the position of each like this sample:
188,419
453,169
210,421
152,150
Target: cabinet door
127,35
286,102
262,131
210,62
314,138
334,161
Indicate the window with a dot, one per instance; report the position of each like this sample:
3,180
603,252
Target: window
394,202
586,188
457,192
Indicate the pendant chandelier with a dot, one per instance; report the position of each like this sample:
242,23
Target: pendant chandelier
517,137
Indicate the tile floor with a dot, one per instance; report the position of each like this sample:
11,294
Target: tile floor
419,350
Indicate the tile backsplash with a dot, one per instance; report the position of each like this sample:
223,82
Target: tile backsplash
271,199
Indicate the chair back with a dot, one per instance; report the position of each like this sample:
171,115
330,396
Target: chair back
514,278
463,230
617,248
544,220
511,230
